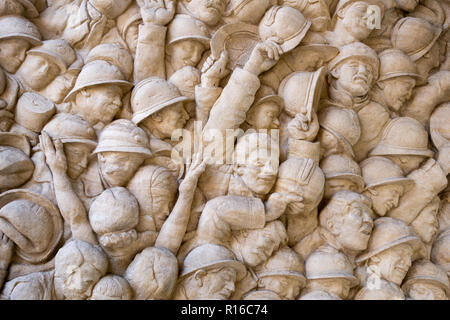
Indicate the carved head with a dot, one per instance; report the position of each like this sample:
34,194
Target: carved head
316,11
426,224
440,253
407,5
248,11
111,8
257,245
78,267
112,287
265,112
208,11
348,217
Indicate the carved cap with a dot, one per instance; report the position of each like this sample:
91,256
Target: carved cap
301,91
98,72
388,233
394,141
414,36
329,263
115,54
428,272
126,19
380,171
341,166
343,4
17,27
396,63
71,128
184,27
115,210
123,136
284,24
359,51
210,256
343,124
32,222
111,8
151,95
58,51
284,262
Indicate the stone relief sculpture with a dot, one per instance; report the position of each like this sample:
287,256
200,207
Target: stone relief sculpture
224,149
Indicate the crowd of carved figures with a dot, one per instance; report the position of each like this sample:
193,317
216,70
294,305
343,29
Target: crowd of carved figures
99,201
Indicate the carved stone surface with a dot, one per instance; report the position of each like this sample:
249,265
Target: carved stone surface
224,149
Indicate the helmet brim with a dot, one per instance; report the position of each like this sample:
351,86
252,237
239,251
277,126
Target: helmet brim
125,85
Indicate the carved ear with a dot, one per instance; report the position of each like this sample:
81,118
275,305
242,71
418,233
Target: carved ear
334,73
340,13
199,275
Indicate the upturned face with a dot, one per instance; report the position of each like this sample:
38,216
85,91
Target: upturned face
258,247
99,103
185,53
426,224
208,11
397,91
426,291
339,287
12,53
79,281
395,262
288,288
385,198
355,228
118,168
38,72
334,185
216,284
355,77
167,120
77,155
265,116
356,20
407,163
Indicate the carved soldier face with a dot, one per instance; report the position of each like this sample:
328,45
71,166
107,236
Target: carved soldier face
407,5
287,288
185,53
77,155
426,224
259,172
12,53
214,284
354,76
397,91
79,281
355,20
426,291
258,246
334,185
119,167
98,103
264,116
167,120
394,262
329,143
430,60
38,71
208,11
131,36
384,198
407,163
337,286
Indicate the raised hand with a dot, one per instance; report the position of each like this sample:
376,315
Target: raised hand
301,128
193,172
159,12
263,57
54,153
214,70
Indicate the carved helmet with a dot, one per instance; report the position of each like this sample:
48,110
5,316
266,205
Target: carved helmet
115,54
32,222
329,263
184,27
343,167
284,262
17,27
185,79
439,128
440,254
403,136
414,36
386,290
151,95
396,63
98,72
71,128
343,124
343,4
123,136
209,256
112,287
285,25
266,94
428,272
58,51
388,233
15,165
317,11
380,171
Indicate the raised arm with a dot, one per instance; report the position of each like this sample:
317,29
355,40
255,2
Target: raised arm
70,206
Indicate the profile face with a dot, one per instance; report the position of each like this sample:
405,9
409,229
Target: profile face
259,246
218,284
397,91
426,224
185,53
12,53
167,120
329,144
339,287
426,291
407,163
79,281
118,168
429,61
356,20
385,198
208,11
38,72
77,155
265,116
395,262
288,288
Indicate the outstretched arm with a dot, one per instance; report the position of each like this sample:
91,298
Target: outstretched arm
71,207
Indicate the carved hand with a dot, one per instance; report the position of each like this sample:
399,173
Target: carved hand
263,57
54,153
214,70
301,129
196,168
277,203
159,12
6,250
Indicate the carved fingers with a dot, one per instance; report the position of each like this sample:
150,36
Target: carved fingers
54,153
215,70
159,12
